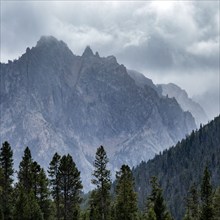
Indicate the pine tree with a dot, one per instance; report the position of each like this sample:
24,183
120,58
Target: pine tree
102,182
32,187
26,206
6,164
216,204
1,195
156,198
35,170
93,203
192,204
126,199
71,186
206,197
43,194
55,182
151,215
25,175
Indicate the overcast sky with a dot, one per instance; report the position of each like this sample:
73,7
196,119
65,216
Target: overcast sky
168,41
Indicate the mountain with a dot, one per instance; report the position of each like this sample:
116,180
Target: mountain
173,91
186,103
181,166
53,100
141,80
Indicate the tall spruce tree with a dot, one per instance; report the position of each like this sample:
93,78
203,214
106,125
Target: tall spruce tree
54,180
1,195
102,181
126,198
25,174
192,204
156,199
43,194
35,170
6,164
93,203
31,190
207,212
150,213
26,205
71,186
216,204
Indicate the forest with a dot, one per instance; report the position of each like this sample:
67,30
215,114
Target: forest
184,179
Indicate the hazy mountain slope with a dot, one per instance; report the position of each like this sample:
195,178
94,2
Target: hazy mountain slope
142,80
181,166
186,103
173,91
53,100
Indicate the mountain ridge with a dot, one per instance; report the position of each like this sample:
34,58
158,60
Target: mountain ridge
181,166
172,90
53,100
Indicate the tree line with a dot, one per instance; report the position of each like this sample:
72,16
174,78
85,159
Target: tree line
181,166
58,195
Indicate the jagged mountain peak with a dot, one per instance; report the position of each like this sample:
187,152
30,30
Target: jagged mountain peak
87,52
50,51
50,41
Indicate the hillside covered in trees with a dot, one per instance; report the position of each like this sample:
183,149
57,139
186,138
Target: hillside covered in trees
181,183
181,166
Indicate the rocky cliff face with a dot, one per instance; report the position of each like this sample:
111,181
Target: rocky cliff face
173,91
52,100
186,103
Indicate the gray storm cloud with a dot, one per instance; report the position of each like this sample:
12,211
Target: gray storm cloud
168,41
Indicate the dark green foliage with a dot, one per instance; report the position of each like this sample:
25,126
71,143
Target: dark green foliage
43,194
25,175
126,198
216,204
26,206
32,187
206,197
94,206
151,215
1,195
192,204
55,182
35,170
70,185
181,166
156,201
6,166
102,181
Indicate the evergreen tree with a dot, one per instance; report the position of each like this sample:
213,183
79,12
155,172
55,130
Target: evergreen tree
151,215
43,195
126,199
25,175
156,198
32,188
1,195
6,164
206,197
102,182
216,204
35,171
192,204
26,206
70,185
55,182
93,202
